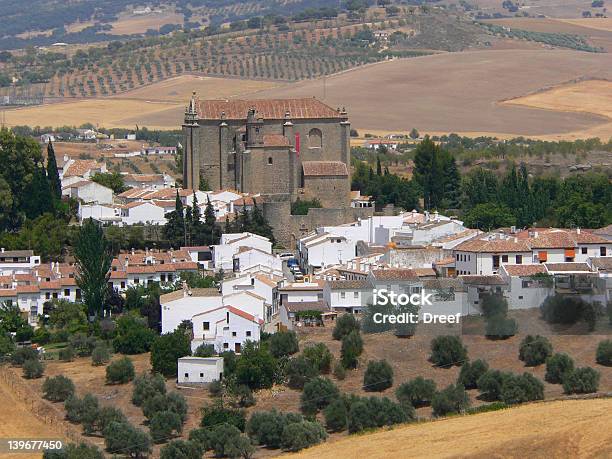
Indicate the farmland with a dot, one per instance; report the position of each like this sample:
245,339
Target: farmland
575,428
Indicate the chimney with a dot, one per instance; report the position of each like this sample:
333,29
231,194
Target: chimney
536,234
2,250
578,230
132,250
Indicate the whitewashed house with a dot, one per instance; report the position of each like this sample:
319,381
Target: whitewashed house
199,370
103,213
529,285
184,304
89,192
17,261
350,296
141,212
249,257
226,328
231,243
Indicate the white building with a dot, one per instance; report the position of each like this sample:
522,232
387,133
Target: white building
89,192
199,370
143,212
184,304
148,181
528,285
321,250
226,328
103,213
249,257
347,295
17,261
231,243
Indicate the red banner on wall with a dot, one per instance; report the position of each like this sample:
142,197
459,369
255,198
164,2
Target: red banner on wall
297,143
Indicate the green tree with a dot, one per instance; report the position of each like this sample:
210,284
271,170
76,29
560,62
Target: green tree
120,371
447,351
126,439
174,230
167,349
603,355
453,399
345,324
93,262
216,414
534,350
133,336
146,386
181,449
489,216
55,184
112,180
557,368
417,392
58,388
282,344
581,381
40,199
33,369
352,347
164,425
429,172
378,376
318,393
471,372
256,367
300,435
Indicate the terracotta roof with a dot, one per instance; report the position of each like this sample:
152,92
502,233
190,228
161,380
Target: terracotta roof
306,306
444,283
51,285
143,177
424,272
348,284
245,315
80,166
394,274
553,240
483,280
118,275
324,168
266,280
606,231
148,269
567,267
185,266
27,289
197,292
494,245
17,253
602,263
7,292
275,140
275,109
68,281
524,270
445,261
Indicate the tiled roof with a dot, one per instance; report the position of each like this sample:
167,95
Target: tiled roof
424,272
27,289
8,292
524,270
602,263
306,306
195,292
266,280
51,285
275,109
324,168
394,274
605,231
553,240
483,280
244,315
567,267
494,245
17,253
445,262
348,284
275,140
148,269
444,283
143,177
80,167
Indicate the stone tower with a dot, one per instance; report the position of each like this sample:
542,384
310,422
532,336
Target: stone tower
191,160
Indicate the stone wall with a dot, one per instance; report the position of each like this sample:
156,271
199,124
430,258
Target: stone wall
332,191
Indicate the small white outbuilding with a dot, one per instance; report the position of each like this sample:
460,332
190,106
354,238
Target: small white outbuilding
200,370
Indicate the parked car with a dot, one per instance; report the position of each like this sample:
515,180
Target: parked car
286,256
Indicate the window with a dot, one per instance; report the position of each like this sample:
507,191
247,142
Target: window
248,333
519,259
201,375
55,295
122,284
186,375
233,333
66,292
457,257
602,251
227,317
520,297
78,294
315,138
48,295
136,280
495,261
270,160
162,278
504,258
206,325
225,345
584,250
355,294
343,295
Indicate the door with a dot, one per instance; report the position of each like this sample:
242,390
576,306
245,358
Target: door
237,348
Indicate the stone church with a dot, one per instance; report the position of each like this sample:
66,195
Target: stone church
285,149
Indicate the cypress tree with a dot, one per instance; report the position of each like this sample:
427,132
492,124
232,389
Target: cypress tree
378,166
39,199
259,224
174,231
55,183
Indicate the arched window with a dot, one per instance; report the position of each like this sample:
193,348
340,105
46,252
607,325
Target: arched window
315,138
270,160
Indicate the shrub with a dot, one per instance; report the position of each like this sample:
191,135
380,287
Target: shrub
204,350
133,336
447,351
300,435
146,386
120,371
33,369
378,376
216,414
108,415
417,392
318,393
490,384
167,349
82,344
581,381
604,353
345,324
100,355
244,396
500,327
493,304
283,344
181,449
58,388
367,413
21,354
125,439
557,366
221,436
201,437
520,389
266,427
320,356
298,371
172,401
74,451
339,371
66,354
336,415
534,350
256,367
216,388
560,309
453,399
165,424
471,372
352,347
81,410
239,446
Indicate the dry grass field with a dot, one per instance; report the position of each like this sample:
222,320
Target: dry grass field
592,96
550,8
460,92
157,106
561,429
131,24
